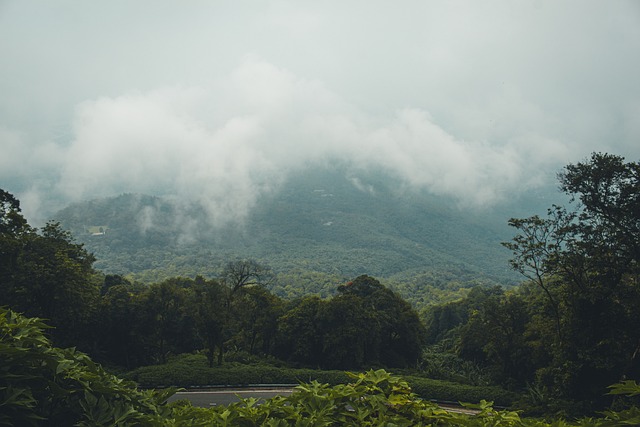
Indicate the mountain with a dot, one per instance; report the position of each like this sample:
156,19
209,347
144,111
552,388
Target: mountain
329,221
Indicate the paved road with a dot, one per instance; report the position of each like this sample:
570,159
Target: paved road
208,398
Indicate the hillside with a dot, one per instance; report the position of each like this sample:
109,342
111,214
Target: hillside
324,221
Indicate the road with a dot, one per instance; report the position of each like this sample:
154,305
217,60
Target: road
208,398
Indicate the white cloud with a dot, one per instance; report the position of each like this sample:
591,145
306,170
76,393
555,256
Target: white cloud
469,99
165,142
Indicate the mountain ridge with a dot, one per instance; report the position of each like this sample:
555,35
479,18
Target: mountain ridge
324,220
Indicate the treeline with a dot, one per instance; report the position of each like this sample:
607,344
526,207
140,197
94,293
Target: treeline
347,234
364,325
45,274
574,328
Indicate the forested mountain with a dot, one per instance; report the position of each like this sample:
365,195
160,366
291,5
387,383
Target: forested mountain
561,340
329,223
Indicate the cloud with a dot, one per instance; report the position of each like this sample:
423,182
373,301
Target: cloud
225,149
459,98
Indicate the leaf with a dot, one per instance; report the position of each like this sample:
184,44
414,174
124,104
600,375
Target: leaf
628,388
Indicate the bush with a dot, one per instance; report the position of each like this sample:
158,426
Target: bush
448,391
375,398
193,371
45,385
372,398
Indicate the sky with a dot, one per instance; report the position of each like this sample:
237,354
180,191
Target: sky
221,102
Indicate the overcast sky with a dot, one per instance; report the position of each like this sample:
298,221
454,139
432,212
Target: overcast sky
221,101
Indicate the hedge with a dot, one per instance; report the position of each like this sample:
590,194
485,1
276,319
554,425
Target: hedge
192,371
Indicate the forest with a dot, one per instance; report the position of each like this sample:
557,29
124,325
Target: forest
562,345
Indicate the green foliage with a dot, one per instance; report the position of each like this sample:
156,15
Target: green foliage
585,262
374,398
428,388
45,385
439,362
397,332
312,239
11,220
564,336
370,399
627,388
193,371
573,328
44,273
366,324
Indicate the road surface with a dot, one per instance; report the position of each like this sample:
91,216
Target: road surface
208,398
216,397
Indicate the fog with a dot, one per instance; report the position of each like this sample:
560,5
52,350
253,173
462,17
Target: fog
220,102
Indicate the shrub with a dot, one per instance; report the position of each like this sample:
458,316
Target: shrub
41,384
448,391
180,374
193,371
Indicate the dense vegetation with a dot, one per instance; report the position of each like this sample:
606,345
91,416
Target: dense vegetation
45,385
318,230
559,340
46,274
573,328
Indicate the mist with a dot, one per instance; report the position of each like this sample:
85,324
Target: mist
220,104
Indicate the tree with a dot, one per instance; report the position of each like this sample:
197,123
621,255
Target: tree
169,321
349,333
238,276
13,227
122,338
400,333
12,223
299,337
257,311
45,273
443,320
210,316
365,324
241,273
586,262
495,336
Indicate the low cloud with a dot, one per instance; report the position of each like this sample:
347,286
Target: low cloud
464,99
225,145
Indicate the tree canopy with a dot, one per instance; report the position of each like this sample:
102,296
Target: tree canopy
573,328
45,273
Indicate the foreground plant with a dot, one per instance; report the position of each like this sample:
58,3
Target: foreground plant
48,386
45,385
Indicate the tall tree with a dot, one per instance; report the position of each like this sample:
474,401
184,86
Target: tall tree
365,324
120,342
45,273
257,311
12,222
299,337
13,227
238,278
586,261
210,314
241,273
400,333
496,336
169,322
